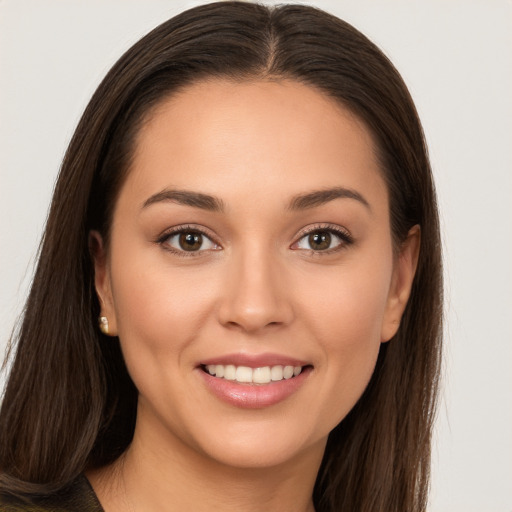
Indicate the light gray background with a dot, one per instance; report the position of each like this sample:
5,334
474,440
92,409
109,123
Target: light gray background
455,56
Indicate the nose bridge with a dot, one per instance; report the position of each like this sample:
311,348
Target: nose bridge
255,293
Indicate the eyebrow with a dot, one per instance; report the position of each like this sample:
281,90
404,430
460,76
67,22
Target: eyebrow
320,197
214,204
187,198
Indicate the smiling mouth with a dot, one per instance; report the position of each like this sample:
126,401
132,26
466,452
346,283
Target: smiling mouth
247,375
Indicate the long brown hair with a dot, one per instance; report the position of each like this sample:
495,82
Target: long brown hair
70,404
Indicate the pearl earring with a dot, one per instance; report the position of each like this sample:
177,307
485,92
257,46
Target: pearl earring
103,323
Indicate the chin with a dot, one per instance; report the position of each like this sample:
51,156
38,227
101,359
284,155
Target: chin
260,452
259,443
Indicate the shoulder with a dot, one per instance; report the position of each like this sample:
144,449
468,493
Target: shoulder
77,497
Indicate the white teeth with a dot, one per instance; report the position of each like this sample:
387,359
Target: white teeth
261,375
245,374
230,372
276,373
288,372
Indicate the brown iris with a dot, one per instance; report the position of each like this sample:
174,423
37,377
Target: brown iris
191,241
320,240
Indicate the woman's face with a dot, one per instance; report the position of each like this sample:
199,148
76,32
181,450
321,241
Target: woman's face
251,241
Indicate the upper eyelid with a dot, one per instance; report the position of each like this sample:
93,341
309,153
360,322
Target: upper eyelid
342,233
322,227
177,230
187,227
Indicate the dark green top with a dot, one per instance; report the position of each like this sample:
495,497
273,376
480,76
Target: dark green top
78,497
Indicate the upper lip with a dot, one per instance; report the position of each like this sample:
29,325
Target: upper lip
254,360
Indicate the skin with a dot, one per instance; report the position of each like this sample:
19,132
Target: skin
258,287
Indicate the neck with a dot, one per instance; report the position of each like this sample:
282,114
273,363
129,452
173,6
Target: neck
171,476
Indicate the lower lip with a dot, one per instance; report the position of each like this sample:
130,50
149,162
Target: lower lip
254,396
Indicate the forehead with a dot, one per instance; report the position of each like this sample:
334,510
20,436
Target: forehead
233,138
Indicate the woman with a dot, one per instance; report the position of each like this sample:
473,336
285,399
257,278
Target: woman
238,297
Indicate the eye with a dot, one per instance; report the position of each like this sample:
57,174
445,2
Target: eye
323,240
186,240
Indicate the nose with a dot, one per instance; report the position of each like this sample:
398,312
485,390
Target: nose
255,295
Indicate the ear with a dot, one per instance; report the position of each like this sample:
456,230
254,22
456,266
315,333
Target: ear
102,281
401,283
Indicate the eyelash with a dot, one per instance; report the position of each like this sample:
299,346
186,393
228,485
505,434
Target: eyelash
342,234
162,239
345,237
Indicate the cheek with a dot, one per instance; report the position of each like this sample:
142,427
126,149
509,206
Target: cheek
159,310
347,305
351,339
160,313
345,313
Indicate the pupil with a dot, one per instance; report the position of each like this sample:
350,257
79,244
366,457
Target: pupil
191,241
320,240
